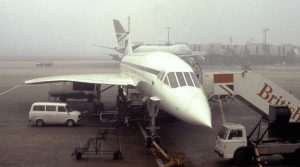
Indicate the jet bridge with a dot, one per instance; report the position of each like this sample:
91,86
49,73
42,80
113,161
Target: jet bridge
252,88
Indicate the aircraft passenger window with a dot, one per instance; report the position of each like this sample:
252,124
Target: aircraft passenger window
166,81
195,79
61,109
180,79
50,108
188,78
38,108
172,80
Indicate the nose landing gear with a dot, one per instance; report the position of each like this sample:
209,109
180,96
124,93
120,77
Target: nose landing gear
152,109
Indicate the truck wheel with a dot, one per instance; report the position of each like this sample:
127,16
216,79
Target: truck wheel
243,156
70,123
39,122
78,155
117,155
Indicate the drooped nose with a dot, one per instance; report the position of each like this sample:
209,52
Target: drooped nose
199,111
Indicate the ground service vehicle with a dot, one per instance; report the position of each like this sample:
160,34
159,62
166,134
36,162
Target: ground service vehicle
283,138
74,90
53,113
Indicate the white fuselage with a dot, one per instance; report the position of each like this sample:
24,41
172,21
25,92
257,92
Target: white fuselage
177,49
169,78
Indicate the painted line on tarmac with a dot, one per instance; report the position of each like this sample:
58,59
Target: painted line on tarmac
11,89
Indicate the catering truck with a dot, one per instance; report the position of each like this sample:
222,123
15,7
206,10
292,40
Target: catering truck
282,138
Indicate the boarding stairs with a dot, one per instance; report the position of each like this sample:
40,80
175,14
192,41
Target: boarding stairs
252,88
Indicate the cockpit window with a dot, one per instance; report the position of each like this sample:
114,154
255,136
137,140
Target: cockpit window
172,80
176,79
159,75
195,79
166,81
188,79
162,76
180,79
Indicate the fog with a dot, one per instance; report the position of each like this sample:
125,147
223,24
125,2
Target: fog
72,27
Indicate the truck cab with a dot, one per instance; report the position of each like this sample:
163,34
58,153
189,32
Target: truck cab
230,138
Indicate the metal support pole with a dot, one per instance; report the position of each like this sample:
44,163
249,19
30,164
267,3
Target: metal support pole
265,30
168,28
98,104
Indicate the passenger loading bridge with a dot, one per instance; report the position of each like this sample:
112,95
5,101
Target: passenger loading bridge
252,88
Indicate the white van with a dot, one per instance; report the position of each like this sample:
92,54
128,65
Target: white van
53,113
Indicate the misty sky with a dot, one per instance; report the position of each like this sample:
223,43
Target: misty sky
72,27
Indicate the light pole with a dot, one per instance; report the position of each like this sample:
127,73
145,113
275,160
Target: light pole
264,31
168,28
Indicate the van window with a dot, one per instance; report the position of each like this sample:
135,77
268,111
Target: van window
38,108
61,109
50,108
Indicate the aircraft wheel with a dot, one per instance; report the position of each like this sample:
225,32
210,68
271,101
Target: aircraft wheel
156,139
148,142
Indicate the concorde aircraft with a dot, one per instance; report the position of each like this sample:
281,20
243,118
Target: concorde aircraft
161,76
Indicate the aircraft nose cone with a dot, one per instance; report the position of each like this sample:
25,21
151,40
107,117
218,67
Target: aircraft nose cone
199,111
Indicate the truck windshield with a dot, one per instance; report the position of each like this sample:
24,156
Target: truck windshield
68,108
223,133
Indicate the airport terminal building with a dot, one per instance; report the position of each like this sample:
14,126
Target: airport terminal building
254,49
250,53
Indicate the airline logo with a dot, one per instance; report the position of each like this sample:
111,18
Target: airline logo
224,83
267,94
